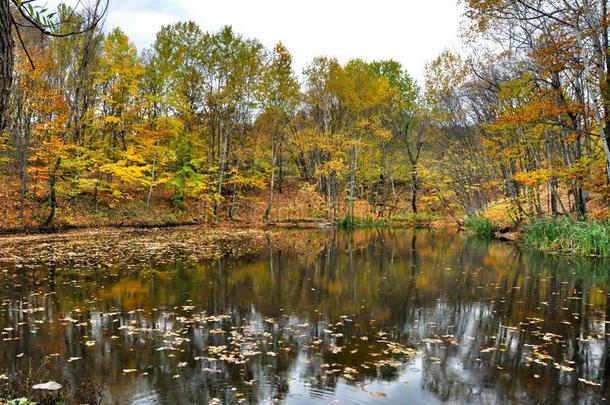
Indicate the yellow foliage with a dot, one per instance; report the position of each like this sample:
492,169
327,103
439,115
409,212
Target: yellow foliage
534,178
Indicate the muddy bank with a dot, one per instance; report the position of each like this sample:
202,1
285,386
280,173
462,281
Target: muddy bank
514,236
60,229
128,247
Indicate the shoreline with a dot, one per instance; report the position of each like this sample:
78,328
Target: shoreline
59,229
232,235
305,223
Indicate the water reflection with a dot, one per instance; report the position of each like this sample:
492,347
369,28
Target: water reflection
383,316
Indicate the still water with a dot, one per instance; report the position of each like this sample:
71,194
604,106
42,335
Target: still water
317,317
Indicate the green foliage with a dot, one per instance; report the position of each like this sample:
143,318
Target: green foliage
20,401
347,222
561,236
479,227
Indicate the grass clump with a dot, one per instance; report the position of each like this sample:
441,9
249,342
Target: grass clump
562,236
349,222
479,227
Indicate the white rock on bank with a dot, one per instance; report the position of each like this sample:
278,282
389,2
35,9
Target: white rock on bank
48,386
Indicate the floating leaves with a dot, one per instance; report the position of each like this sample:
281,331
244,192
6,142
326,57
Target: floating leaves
588,382
240,326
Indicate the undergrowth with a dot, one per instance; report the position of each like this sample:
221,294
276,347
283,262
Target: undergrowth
581,238
479,227
410,220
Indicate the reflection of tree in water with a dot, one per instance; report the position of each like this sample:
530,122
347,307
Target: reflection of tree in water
495,324
529,340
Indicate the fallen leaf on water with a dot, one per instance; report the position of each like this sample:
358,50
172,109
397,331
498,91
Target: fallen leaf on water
588,382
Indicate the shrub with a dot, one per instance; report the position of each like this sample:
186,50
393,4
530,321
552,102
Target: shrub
348,222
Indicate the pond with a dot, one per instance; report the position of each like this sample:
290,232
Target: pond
315,317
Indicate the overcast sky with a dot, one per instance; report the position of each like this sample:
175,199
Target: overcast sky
410,31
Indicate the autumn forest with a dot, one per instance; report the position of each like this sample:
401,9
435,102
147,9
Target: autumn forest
212,126
200,215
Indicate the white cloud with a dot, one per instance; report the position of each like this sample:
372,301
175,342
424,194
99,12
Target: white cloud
410,31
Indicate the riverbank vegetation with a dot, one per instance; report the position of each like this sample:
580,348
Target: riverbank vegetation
213,127
479,227
569,237
550,235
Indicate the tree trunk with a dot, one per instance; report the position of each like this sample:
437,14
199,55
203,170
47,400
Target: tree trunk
413,153
352,181
153,176
280,185
223,166
233,205
553,196
23,145
271,185
81,101
52,194
604,89
415,181
6,59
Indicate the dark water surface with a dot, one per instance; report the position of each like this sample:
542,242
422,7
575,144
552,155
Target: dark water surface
380,317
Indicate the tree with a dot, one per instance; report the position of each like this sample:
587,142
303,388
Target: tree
280,98
6,58
38,121
407,124
457,106
36,16
529,28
